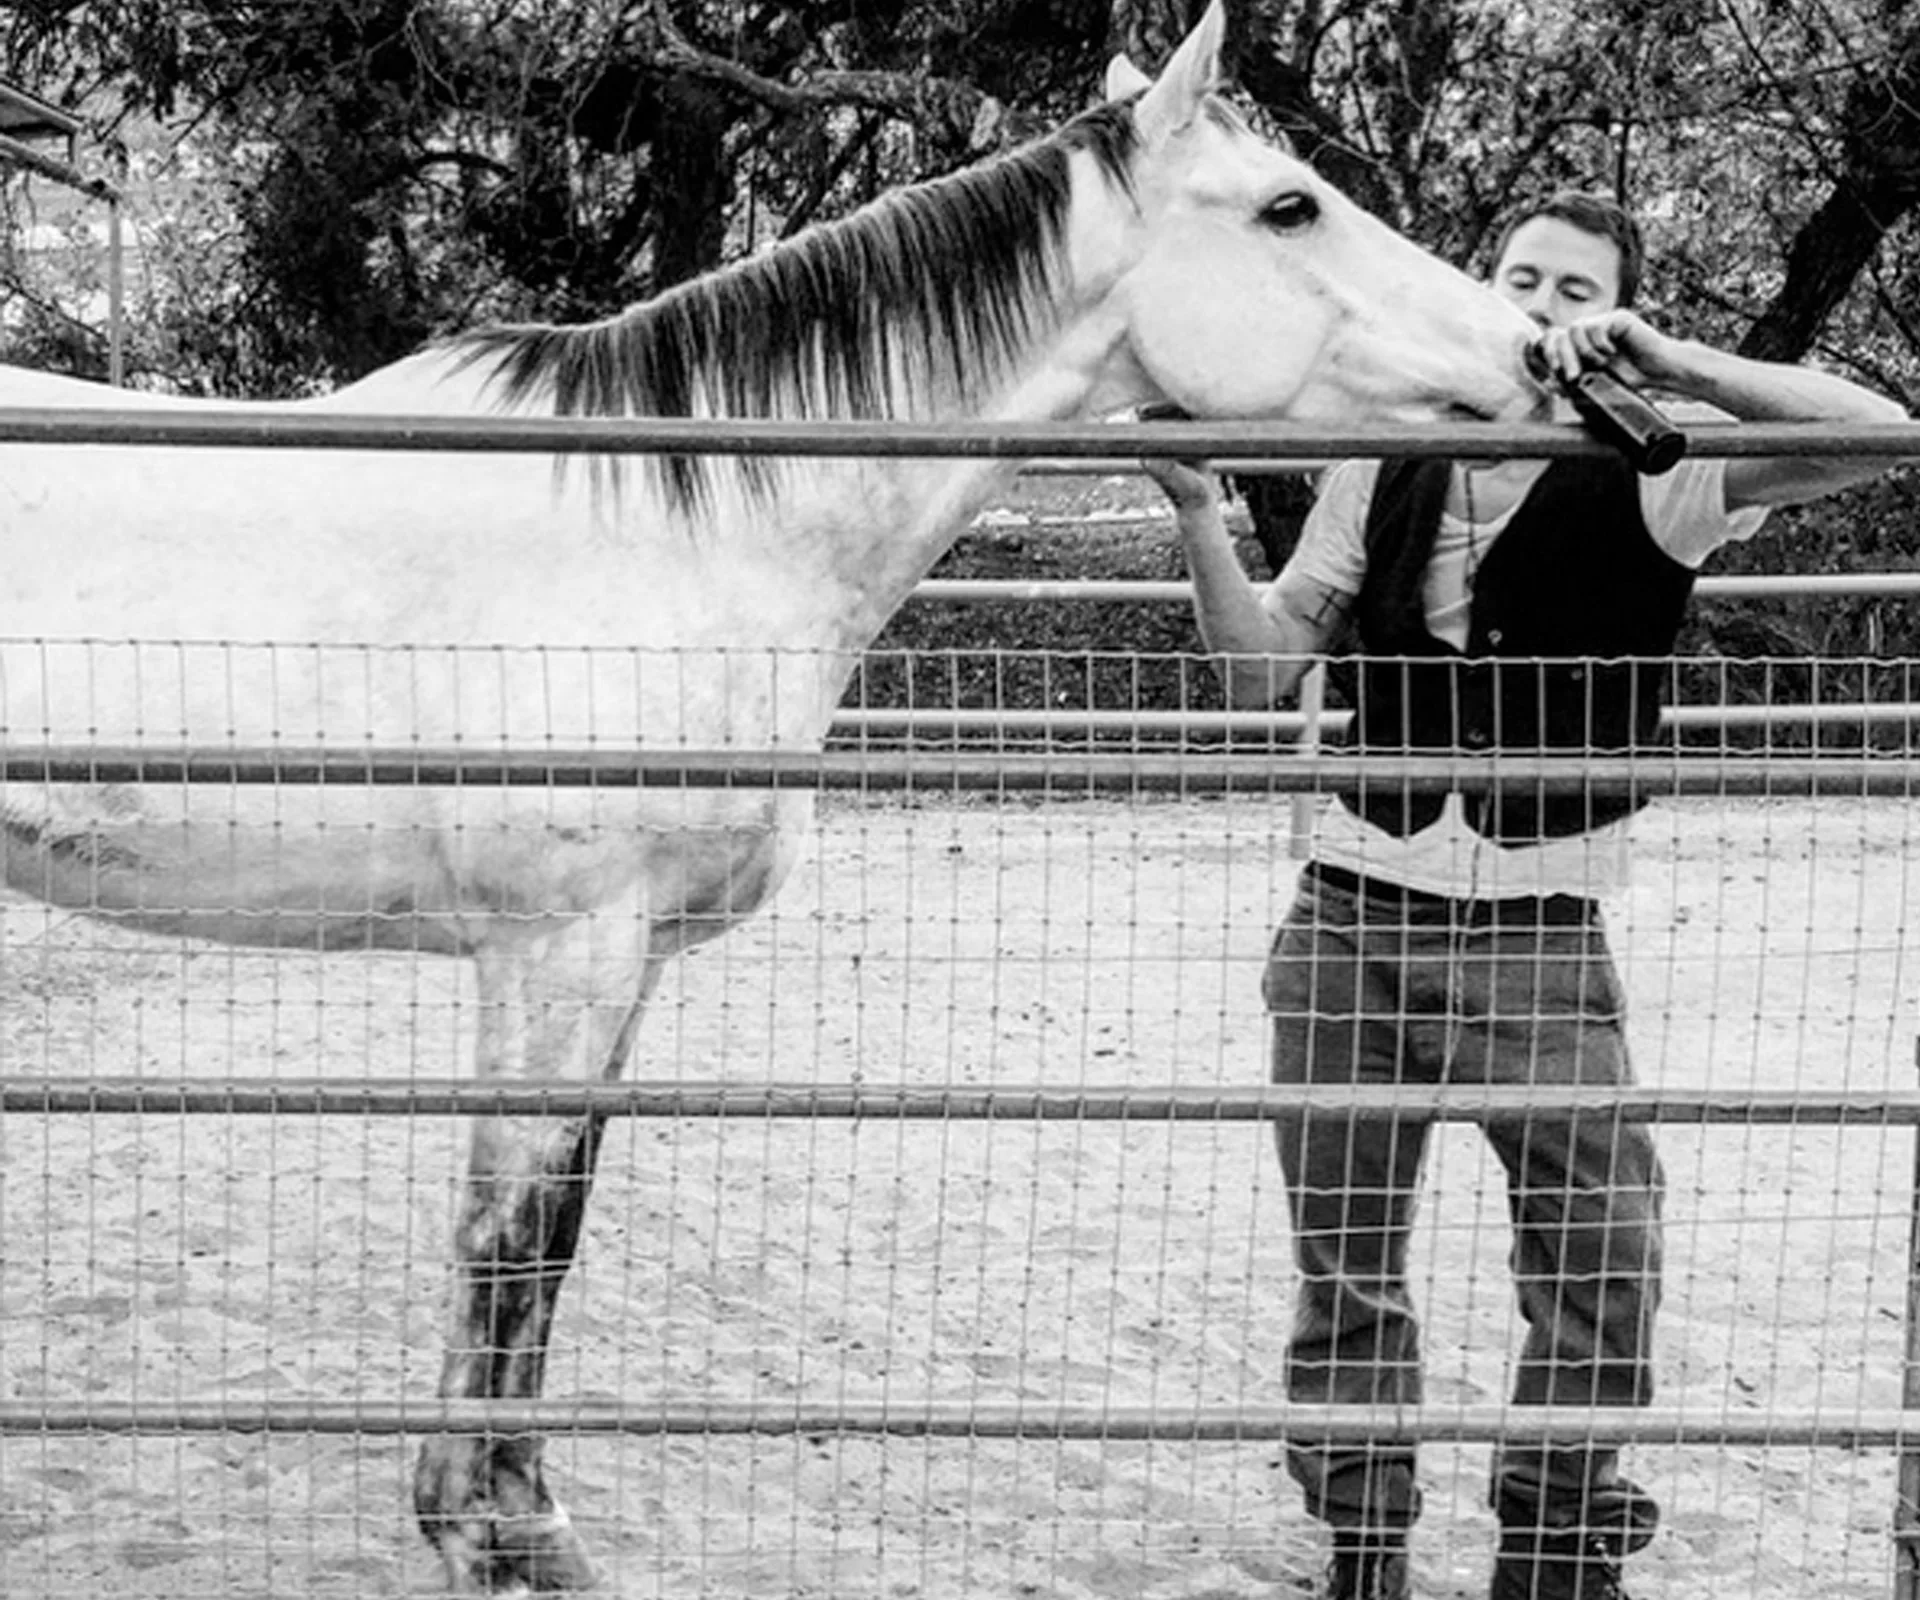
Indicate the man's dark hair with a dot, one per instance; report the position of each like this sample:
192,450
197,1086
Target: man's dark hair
1590,213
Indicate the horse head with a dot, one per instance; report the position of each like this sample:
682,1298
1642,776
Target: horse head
1254,288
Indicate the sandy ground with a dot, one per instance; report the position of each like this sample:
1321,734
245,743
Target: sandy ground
1765,945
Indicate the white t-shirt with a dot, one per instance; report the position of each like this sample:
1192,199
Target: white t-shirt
1685,510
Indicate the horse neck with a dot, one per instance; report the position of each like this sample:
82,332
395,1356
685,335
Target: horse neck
1022,333
1073,366
918,509
814,580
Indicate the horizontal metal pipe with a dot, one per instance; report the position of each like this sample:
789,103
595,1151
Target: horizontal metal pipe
16,153
247,427
1154,591
1061,772
91,1096
928,719
1121,466
1668,1424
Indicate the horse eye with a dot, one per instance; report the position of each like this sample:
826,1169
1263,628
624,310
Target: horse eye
1289,213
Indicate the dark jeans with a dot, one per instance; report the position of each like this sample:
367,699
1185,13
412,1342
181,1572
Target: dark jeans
1367,987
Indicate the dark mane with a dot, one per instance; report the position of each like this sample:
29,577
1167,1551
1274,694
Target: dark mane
942,283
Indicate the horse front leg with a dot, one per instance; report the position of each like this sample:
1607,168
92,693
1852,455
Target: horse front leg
482,1499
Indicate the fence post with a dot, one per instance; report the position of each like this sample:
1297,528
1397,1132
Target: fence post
1306,807
1906,1510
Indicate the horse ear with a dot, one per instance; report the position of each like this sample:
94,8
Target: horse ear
1191,73
1124,78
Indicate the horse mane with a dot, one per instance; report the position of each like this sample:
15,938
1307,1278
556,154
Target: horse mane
927,293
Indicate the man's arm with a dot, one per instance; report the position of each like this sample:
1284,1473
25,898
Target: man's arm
1264,639
1753,391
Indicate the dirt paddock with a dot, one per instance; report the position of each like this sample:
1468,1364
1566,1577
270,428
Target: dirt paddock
1765,946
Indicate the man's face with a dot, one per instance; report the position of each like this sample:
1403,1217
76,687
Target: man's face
1558,273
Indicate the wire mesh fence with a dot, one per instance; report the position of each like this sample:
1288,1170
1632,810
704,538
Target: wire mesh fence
938,1244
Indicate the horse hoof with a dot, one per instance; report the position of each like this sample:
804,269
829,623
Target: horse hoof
517,1556
544,1553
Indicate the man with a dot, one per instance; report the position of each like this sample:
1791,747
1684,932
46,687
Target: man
1455,938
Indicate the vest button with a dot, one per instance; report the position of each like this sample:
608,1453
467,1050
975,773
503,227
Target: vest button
1494,636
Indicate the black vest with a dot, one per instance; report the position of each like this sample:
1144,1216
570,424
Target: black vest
1575,574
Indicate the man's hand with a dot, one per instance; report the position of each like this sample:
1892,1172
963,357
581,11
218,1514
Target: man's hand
1622,340
1188,484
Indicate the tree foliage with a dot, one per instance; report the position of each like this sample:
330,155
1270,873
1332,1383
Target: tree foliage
396,167
399,166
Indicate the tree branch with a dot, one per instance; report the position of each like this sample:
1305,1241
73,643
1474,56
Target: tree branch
805,208
967,114
13,288
422,162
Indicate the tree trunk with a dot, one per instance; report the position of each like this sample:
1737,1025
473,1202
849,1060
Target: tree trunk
1826,256
692,181
1878,184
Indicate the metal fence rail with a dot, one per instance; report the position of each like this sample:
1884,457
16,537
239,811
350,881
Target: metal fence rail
1147,591
267,427
1882,1427
1063,772
1004,1103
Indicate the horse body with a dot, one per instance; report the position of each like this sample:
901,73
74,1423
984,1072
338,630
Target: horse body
502,607
1151,250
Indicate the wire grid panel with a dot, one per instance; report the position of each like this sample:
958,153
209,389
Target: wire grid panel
1065,940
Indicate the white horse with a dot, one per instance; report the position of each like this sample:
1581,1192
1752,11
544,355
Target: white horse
1154,249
